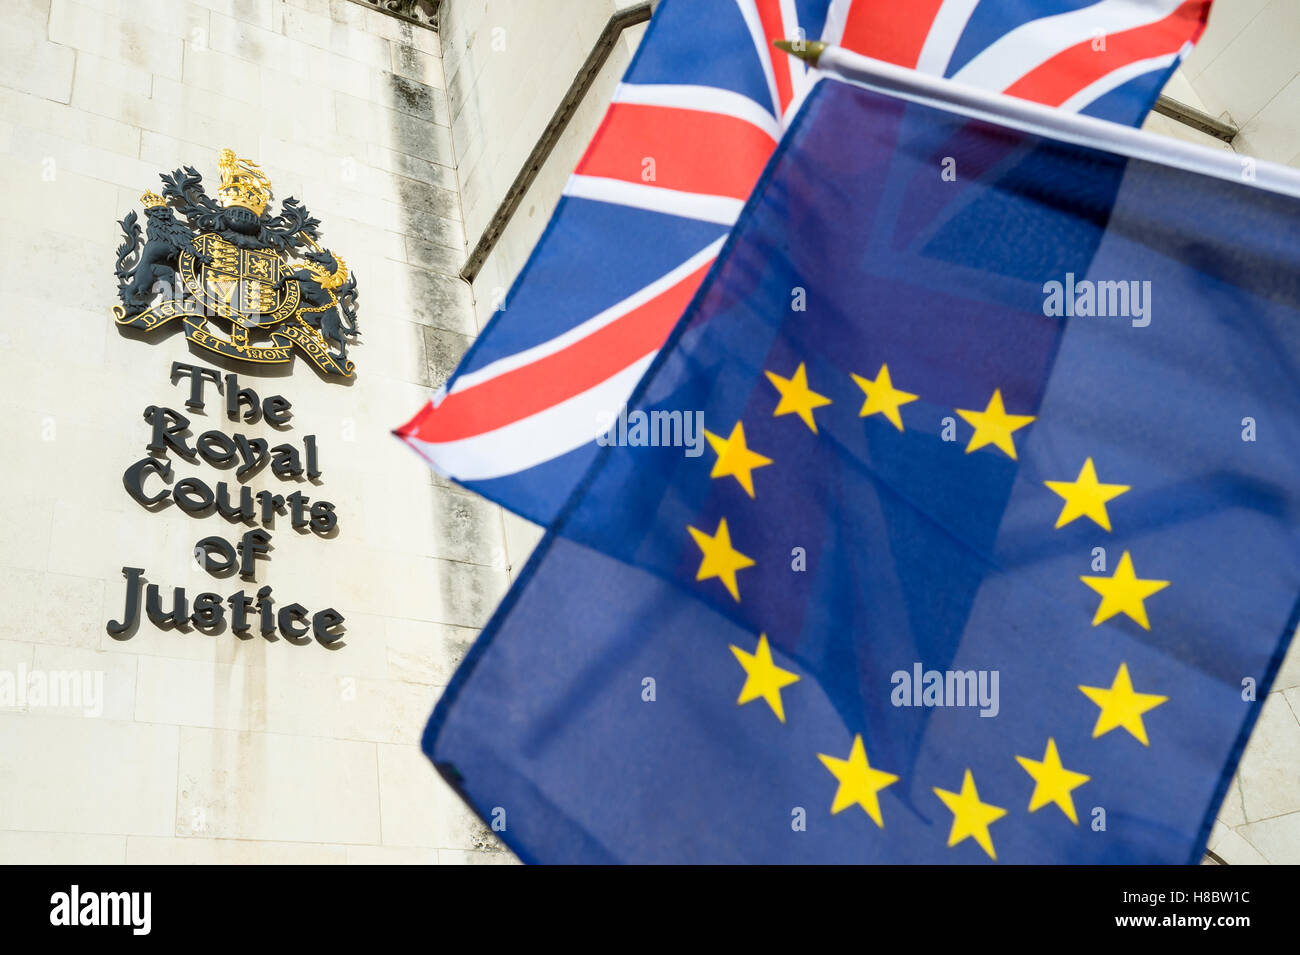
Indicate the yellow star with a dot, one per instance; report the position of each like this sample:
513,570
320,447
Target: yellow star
735,458
1052,781
970,817
720,559
796,396
1084,497
1124,593
1120,706
763,678
994,426
883,397
860,783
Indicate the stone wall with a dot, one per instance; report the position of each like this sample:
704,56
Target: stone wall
212,747
1246,71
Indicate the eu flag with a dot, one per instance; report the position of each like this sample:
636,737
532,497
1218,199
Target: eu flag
991,551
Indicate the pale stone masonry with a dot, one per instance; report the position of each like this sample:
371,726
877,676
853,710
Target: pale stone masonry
213,748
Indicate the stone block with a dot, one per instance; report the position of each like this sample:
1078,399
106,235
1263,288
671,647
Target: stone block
443,350
426,653
28,64
390,855
311,27
246,41
1276,839
61,848
99,71
360,45
71,754
498,856
410,96
92,684
137,43
417,65
435,229
224,76
392,129
420,809
1254,65
265,786
141,850
466,528
1269,772
434,256
432,171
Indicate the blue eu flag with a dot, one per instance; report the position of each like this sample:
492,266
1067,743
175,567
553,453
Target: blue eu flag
990,553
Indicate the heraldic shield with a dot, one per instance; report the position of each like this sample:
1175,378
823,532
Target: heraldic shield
229,262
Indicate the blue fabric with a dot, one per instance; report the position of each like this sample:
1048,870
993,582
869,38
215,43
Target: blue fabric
917,552
1117,105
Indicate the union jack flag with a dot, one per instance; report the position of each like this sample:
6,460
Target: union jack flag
684,140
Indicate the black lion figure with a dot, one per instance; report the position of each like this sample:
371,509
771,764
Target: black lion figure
157,261
329,298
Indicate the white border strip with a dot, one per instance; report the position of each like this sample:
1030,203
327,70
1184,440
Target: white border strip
540,437
1115,79
945,33
1043,120
837,16
1014,55
706,99
722,210
754,23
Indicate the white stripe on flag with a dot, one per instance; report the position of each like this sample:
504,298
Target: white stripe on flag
836,16
1114,80
755,25
1026,48
538,438
948,26
691,205
798,68
708,99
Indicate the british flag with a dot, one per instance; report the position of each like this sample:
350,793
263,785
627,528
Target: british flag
684,140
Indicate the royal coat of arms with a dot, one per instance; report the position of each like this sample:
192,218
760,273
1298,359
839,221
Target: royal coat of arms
231,262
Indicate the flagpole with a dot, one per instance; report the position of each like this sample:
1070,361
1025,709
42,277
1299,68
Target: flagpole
1041,120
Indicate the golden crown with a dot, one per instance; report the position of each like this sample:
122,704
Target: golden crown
242,183
151,199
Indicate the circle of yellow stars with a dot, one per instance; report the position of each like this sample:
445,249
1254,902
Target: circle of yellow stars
858,783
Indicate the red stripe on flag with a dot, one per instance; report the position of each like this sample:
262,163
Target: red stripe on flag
693,151
890,30
769,16
542,384
1056,80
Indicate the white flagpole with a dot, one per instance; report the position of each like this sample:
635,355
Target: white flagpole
1041,120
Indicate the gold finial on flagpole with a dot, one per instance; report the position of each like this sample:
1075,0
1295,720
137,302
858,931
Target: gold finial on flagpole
808,50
